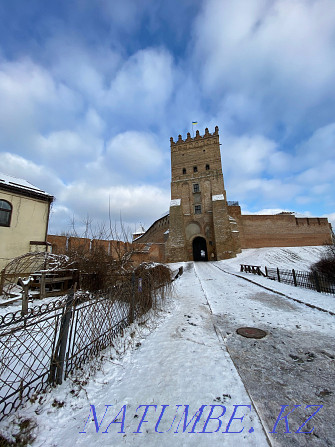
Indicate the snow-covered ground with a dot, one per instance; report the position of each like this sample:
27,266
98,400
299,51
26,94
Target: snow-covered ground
195,357
299,258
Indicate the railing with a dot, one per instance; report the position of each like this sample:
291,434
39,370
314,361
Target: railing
255,269
308,280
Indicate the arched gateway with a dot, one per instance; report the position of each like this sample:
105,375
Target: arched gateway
200,249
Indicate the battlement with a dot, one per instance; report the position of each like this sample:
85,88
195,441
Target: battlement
197,137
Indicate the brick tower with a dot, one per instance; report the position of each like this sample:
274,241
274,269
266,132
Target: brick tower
200,227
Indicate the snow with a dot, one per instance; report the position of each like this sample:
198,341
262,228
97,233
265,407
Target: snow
166,213
292,365
217,197
299,258
192,355
15,305
19,183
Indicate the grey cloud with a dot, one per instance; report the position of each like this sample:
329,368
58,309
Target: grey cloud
277,55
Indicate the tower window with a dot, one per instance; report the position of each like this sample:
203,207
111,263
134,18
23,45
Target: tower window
195,169
196,187
197,209
184,170
5,213
207,167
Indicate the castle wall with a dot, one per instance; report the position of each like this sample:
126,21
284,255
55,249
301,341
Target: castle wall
151,251
283,230
58,243
157,232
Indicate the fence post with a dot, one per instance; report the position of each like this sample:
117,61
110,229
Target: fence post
266,271
25,287
132,299
42,286
241,267
57,364
294,277
317,282
278,275
2,281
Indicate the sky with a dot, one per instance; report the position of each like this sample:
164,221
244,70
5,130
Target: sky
92,91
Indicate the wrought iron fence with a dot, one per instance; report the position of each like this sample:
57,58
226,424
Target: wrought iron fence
94,325
27,344
308,280
51,341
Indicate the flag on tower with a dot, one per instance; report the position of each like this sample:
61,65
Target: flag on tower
194,122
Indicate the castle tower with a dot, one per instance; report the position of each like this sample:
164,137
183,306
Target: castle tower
200,227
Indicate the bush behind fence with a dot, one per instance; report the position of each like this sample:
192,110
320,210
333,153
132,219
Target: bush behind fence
52,341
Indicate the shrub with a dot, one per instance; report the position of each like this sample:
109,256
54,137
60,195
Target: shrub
326,265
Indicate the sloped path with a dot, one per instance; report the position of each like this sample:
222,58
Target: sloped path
183,362
293,365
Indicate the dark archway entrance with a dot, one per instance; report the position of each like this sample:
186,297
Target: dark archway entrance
199,249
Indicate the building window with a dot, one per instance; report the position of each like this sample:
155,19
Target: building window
184,170
197,209
5,213
196,187
195,169
207,167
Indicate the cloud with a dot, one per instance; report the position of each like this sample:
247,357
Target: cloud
31,102
247,154
142,87
92,92
331,218
86,70
319,147
136,152
275,57
41,176
135,204
67,151
255,168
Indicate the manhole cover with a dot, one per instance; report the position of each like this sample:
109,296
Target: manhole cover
251,332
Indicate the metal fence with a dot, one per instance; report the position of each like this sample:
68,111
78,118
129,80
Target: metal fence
48,343
27,345
308,280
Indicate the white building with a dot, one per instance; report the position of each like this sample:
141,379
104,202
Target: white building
24,218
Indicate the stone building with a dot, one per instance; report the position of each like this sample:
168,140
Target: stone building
202,225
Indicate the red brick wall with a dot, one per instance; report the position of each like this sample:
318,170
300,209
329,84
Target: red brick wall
58,243
79,242
283,230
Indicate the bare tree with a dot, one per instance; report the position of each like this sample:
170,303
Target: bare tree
102,252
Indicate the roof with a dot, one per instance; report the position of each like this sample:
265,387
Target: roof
14,183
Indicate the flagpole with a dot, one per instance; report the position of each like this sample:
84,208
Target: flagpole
193,123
